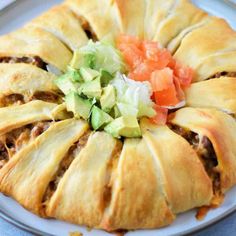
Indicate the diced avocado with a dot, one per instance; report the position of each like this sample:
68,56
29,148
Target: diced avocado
79,106
106,77
116,112
82,59
99,118
108,98
88,74
74,75
91,88
126,126
127,109
65,84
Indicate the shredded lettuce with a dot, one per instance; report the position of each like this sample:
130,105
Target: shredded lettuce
133,97
98,55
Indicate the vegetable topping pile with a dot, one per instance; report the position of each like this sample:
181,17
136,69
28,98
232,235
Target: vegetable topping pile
113,87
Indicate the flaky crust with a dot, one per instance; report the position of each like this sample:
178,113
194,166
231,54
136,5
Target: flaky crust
181,15
31,41
137,200
213,39
62,23
25,79
103,16
87,181
16,116
220,128
214,93
184,189
27,175
132,14
156,12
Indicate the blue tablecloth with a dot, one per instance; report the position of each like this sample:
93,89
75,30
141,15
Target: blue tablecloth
226,227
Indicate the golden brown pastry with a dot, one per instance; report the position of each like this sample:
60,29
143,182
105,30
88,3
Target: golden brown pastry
184,189
63,24
216,93
16,116
137,199
132,14
27,175
211,41
34,46
156,11
87,180
24,79
180,15
174,44
60,169
98,18
215,141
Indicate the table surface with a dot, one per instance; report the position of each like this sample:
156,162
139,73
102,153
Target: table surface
226,227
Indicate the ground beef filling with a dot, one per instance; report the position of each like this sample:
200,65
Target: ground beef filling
227,74
12,99
64,165
47,97
87,28
205,150
19,99
207,155
13,141
37,61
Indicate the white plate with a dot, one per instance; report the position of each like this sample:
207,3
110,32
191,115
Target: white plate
15,16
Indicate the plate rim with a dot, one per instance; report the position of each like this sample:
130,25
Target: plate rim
34,230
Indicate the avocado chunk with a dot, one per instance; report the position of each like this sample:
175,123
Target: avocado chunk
82,59
105,77
99,118
108,98
91,88
115,113
126,126
65,84
88,74
79,106
74,75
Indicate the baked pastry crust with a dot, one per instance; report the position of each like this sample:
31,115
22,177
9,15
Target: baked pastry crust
62,23
216,93
220,128
31,41
137,200
183,189
27,175
25,79
103,16
179,16
217,43
16,116
69,173
87,180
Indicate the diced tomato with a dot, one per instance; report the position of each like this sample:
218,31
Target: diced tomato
147,61
141,72
179,90
184,74
166,97
161,115
162,79
132,55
